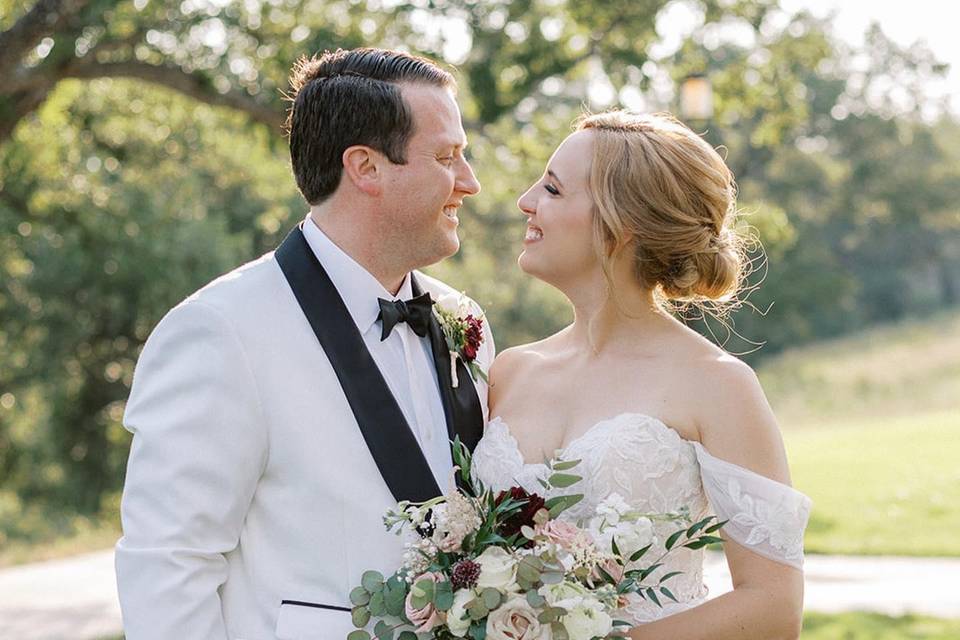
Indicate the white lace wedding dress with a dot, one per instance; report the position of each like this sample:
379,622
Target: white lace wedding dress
655,470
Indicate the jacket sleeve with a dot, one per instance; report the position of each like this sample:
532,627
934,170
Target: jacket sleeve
199,448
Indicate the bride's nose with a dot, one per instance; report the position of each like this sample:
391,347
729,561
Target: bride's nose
527,203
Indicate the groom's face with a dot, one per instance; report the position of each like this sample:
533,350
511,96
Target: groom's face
423,196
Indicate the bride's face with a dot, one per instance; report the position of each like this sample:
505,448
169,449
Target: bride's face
558,246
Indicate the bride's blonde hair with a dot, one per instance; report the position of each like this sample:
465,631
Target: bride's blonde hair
661,190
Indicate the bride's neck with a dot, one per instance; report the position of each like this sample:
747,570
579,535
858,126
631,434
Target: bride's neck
610,319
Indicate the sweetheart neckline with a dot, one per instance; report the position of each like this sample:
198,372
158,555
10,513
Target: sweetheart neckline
664,427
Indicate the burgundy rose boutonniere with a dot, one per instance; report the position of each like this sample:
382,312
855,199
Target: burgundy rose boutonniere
463,330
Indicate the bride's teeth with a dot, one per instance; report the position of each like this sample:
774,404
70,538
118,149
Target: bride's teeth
533,234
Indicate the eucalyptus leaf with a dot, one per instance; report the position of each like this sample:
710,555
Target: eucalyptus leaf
667,576
558,631
639,553
407,635
667,593
672,540
534,599
359,596
360,617
383,631
653,596
372,581
378,605
359,634
491,598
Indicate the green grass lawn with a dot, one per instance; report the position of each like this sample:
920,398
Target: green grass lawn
881,486
873,626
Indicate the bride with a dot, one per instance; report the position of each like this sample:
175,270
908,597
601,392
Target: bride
633,211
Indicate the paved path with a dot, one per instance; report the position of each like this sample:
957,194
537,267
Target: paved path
76,598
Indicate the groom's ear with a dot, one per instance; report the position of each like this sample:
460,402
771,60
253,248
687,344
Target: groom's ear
363,167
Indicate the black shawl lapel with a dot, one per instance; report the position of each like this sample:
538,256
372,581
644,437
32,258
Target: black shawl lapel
388,436
461,405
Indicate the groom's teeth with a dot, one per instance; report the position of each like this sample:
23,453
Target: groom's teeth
533,234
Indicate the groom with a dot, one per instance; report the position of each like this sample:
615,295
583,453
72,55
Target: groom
280,410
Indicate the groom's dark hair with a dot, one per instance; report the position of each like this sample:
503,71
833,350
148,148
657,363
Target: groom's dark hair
347,98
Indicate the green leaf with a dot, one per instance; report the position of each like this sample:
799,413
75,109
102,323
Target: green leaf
359,596
667,576
378,605
672,540
563,480
358,635
606,575
560,504
360,617
535,600
616,549
383,631
551,614
694,528
551,577
646,572
639,553
477,609
716,527
653,596
443,597
372,581
394,600
558,631
566,465
407,635
667,593
478,631
491,598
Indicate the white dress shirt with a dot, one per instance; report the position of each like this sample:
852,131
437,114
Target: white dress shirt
404,358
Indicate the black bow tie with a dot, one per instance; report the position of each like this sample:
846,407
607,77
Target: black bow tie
415,312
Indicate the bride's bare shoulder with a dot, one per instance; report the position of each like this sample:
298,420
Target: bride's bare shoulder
516,361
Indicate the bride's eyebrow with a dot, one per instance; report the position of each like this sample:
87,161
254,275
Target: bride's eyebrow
554,176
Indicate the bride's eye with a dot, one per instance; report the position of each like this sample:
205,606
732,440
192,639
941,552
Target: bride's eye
552,190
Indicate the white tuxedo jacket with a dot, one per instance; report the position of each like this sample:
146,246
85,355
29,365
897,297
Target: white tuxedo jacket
253,501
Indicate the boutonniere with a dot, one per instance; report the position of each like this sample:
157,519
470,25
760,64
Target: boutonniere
463,331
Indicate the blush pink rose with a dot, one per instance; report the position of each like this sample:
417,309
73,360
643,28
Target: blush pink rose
563,534
428,617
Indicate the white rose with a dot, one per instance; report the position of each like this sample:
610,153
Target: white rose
455,303
566,595
586,622
455,623
497,570
516,620
612,508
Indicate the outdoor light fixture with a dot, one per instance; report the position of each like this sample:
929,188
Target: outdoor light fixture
696,97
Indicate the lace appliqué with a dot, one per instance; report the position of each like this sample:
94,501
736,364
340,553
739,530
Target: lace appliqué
656,470
764,515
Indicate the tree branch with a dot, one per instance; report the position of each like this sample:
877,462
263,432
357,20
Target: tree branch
46,17
173,77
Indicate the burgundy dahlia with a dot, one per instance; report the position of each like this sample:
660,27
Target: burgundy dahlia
472,338
523,517
464,574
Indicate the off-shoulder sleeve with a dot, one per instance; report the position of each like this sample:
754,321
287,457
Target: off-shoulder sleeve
763,515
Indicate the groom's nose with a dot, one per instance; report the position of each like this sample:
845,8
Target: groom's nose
466,180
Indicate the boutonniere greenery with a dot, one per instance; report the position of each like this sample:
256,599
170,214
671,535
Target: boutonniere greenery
463,330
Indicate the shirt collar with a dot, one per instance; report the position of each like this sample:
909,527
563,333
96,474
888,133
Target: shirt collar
357,287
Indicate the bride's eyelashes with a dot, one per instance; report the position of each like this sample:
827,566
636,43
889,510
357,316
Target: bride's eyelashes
552,190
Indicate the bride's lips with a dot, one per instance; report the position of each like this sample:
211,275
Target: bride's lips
534,234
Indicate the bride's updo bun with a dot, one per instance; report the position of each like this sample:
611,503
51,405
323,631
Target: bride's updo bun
660,186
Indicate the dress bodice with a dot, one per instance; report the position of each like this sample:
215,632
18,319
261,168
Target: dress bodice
656,471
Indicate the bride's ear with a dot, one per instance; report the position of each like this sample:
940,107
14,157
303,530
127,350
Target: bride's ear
362,167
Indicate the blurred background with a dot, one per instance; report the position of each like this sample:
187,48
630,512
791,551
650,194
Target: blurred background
142,154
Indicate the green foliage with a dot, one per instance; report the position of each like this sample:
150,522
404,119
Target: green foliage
118,197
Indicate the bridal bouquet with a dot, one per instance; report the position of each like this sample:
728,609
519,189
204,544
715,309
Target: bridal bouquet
491,565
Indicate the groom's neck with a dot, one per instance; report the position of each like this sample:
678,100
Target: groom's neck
360,243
